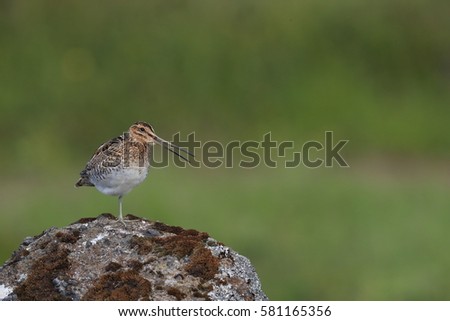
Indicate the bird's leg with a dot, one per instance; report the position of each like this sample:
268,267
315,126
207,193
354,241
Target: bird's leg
120,209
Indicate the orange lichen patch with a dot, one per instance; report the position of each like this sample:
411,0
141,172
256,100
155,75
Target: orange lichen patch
167,228
131,217
23,253
176,293
144,244
44,244
39,284
182,244
119,286
202,264
135,265
68,237
18,255
201,235
177,246
241,288
112,267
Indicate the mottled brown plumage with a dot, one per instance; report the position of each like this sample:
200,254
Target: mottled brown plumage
123,162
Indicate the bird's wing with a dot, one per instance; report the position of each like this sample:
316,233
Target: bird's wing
108,155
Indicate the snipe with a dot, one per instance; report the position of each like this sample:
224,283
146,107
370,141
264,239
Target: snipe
123,162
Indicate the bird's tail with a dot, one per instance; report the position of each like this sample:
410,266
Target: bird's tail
83,181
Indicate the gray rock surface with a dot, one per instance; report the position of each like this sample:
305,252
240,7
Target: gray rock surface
102,259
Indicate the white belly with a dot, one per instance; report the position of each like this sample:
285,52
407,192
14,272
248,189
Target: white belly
121,182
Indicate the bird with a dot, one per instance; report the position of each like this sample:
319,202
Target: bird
121,163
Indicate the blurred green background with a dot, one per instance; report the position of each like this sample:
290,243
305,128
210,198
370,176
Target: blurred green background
74,74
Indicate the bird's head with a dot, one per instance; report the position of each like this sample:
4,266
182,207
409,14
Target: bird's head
144,133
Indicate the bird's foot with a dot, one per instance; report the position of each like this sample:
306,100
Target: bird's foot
120,219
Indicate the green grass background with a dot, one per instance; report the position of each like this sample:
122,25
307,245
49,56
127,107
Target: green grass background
76,73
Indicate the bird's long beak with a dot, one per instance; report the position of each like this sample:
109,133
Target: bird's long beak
173,148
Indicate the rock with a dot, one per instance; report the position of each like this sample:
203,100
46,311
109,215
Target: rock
103,259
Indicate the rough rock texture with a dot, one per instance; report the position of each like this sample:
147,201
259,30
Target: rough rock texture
102,259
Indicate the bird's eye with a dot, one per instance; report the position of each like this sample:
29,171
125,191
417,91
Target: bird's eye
142,129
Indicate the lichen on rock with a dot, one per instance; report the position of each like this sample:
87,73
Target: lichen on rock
101,259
